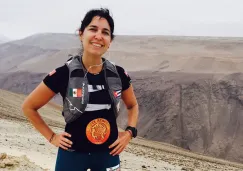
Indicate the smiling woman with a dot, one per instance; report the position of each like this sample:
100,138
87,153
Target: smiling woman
92,88
96,32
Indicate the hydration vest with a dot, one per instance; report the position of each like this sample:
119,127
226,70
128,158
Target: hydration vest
77,95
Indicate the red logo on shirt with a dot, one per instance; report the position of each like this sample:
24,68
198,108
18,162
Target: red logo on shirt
98,131
126,74
52,72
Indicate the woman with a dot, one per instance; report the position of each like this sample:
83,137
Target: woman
91,88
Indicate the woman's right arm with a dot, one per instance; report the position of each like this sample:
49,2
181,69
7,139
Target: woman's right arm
38,98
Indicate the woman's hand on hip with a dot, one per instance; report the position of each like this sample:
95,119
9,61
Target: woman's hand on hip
121,143
60,140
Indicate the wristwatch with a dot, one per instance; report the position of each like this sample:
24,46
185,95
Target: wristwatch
133,130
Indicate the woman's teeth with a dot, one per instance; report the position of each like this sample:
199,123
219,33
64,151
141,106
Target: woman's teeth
97,45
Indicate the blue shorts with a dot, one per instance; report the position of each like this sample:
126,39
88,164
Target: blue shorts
77,161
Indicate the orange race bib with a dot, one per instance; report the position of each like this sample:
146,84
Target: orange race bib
98,131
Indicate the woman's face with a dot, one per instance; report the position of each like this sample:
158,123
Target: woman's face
96,37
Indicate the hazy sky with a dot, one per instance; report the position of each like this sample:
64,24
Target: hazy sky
21,18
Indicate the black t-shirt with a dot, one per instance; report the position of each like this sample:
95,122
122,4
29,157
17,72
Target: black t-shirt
82,139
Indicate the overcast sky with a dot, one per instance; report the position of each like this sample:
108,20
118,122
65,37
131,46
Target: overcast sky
21,18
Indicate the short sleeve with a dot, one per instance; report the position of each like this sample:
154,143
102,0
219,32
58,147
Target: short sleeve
57,80
125,78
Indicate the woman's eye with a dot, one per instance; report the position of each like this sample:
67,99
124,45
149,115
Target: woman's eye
92,29
106,33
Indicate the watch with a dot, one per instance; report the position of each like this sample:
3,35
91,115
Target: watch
133,130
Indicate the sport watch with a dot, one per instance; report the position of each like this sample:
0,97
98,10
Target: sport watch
133,130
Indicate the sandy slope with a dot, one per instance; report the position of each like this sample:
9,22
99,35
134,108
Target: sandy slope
20,139
32,152
27,150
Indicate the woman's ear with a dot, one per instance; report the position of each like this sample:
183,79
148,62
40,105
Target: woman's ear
80,35
109,45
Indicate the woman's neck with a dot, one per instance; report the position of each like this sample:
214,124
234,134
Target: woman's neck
90,63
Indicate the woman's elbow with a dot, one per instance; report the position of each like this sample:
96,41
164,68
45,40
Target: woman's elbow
25,107
132,107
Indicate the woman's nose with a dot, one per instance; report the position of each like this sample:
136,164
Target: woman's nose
98,35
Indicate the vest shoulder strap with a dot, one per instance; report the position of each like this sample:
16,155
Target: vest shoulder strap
73,64
111,67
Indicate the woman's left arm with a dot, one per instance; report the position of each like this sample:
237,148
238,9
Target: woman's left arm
130,101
